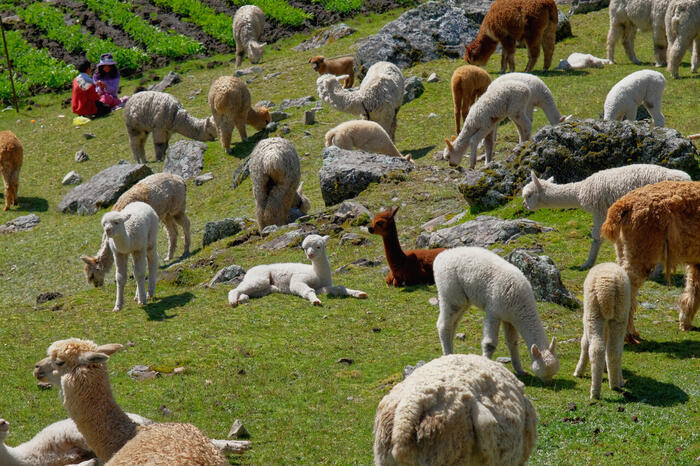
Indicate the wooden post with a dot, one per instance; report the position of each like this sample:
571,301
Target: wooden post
9,65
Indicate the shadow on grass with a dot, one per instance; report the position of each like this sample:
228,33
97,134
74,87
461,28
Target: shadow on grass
418,153
676,280
558,383
29,204
558,72
412,288
241,149
640,389
676,349
156,309
179,259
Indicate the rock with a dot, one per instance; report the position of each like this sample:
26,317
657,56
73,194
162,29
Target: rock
294,214
165,411
72,177
201,179
185,158
241,173
141,373
272,126
81,156
89,136
284,129
170,79
48,296
346,361
433,115
357,263
268,230
647,305
247,71
279,115
324,36
214,231
412,89
408,370
354,239
298,102
268,104
545,278
433,78
103,189
584,6
11,19
271,75
563,28
229,275
574,150
351,209
289,239
22,223
238,430
503,359
345,173
309,117
482,231
430,225
461,336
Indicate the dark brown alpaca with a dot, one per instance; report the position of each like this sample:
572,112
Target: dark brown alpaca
407,268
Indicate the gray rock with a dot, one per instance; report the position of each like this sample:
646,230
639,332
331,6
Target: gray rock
72,177
229,275
433,78
268,104
214,231
48,296
344,173
278,115
294,214
503,359
141,373
563,28
289,239
574,150
647,305
89,136
433,115
284,129
81,156
298,102
412,89
170,79
323,36
185,158
271,75
354,239
103,189
22,223
364,262
201,179
272,126
309,117
241,173
482,231
461,336
247,71
584,6
351,209
268,230
408,370
544,276
434,301
237,430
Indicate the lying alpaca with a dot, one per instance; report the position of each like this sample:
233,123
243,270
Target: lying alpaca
10,165
293,278
579,61
248,28
510,21
406,268
606,306
364,135
683,32
658,223
337,66
475,276
628,15
468,83
540,96
644,87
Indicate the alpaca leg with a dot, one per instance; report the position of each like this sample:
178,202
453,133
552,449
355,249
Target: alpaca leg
658,34
695,57
137,141
226,133
596,353
674,55
629,111
583,357
184,222
490,337
253,285
533,52
595,246
523,125
14,182
240,51
613,353
654,109
171,229
458,106
474,142
628,42
152,258
614,33
511,335
140,275
342,291
489,142
690,298
300,288
240,126
6,179
120,260
636,280
160,143
548,40
450,315
504,61
508,45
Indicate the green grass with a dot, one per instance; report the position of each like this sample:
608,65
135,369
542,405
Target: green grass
279,10
293,397
215,24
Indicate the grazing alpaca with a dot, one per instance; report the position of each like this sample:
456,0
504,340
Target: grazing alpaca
406,268
628,15
510,21
606,307
10,164
658,223
365,135
337,66
468,83
248,27
457,409
540,96
645,87
683,32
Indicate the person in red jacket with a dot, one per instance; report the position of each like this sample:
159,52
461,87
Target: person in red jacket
84,100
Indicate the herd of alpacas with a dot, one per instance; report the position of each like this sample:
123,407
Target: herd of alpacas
456,409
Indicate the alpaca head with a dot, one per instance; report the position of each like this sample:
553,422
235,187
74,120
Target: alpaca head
255,50
210,130
67,355
480,50
383,223
544,362
113,223
316,61
534,191
303,203
4,430
258,117
94,271
450,154
314,246
327,85
44,370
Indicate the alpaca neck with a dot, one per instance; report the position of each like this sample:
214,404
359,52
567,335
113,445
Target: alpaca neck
104,257
461,142
550,110
191,127
531,329
346,101
10,456
484,44
561,195
322,269
392,248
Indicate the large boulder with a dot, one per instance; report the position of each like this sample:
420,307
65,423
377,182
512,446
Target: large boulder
412,89
563,28
574,150
214,231
185,158
103,189
584,6
346,173
544,277
22,223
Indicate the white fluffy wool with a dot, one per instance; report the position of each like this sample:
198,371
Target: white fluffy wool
645,87
540,95
248,28
364,135
683,32
626,16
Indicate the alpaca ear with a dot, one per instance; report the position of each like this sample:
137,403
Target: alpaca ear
126,217
535,180
394,211
535,352
92,357
553,345
109,348
311,59
325,239
450,147
550,179
87,259
300,189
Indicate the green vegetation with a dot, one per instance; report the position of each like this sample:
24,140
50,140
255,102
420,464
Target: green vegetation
279,10
341,6
215,24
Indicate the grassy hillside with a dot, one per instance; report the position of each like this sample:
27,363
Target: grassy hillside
272,362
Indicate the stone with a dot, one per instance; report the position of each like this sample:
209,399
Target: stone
572,151
241,173
89,136
141,373
461,336
544,276
412,89
247,71
201,179
503,359
309,117
268,104
563,28
22,223
185,158
72,177
294,214
284,129
278,115
363,262
433,78
214,231
346,361
408,370
289,239
298,102
325,36
584,6
272,126
346,173
48,296
433,301
103,189
81,156
433,115
11,19
268,230
354,239
169,80
229,275
271,75
238,430
351,209
482,231
646,305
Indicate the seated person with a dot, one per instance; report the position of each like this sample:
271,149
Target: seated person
84,100
108,74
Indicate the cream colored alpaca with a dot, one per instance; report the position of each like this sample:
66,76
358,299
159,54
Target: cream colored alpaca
468,83
248,28
628,15
365,135
683,32
10,164
606,305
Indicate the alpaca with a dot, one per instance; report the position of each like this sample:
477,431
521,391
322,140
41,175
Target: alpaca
162,114
643,87
510,21
658,223
292,278
406,268
579,61
248,28
626,16
473,275
540,96
337,66
229,101
504,99
10,164
606,306
364,135
468,83
378,99
275,173
683,32
457,409
134,231
595,194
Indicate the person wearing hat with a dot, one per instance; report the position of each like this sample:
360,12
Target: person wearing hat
107,73
85,100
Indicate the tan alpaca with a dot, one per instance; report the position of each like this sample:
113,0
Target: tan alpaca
336,66
606,304
364,135
229,100
10,163
468,83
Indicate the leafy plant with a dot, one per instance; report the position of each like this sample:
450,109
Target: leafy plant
215,24
341,6
279,10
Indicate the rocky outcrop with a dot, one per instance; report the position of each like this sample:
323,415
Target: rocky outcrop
544,277
412,89
325,36
22,223
185,158
169,80
584,6
229,275
214,231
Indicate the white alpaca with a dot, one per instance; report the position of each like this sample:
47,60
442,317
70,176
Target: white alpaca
457,409
644,87
628,15
606,305
364,135
504,99
248,27
134,231
540,95
475,276
162,114
378,99
683,32
293,278
596,193
579,61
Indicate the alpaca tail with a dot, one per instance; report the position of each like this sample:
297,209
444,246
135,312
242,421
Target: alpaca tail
613,223
329,138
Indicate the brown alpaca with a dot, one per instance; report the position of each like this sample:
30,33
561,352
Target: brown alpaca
10,164
658,223
407,268
510,21
336,66
468,83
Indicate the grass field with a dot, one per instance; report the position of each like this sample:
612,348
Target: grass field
272,362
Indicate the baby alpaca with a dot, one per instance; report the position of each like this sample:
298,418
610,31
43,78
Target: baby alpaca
248,28
606,306
229,101
626,16
457,409
364,135
10,165
579,61
337,66
468,83
293,278
683,32
540,95
475,276
643,87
